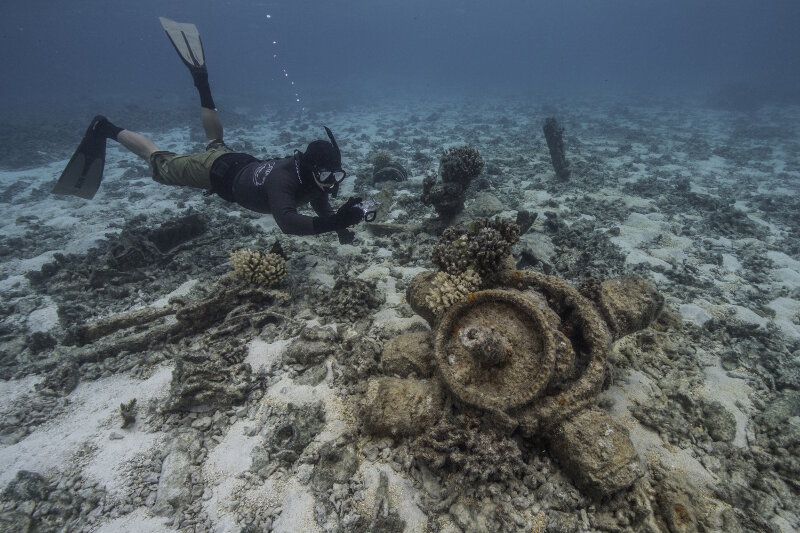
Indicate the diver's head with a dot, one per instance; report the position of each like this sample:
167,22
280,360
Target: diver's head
324,160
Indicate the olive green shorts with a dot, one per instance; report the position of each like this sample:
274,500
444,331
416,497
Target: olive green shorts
190,170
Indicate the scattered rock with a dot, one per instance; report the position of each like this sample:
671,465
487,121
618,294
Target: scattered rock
294,430
409,354
174,489
27,486
305,352
350,299
597,451
718,421
628,304
525,220
337,463
39,341
62,379
461,447
401,406
485,205
207,382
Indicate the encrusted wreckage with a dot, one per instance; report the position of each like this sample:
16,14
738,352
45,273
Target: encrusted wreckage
528,353
457,168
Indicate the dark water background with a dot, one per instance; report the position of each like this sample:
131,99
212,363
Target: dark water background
68,58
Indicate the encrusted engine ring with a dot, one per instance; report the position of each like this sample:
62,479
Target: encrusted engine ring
529,359
591,340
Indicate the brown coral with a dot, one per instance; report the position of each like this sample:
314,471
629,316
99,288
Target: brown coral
460,165
482,245
449,289
265,269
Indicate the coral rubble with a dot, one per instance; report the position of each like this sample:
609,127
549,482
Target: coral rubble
350,299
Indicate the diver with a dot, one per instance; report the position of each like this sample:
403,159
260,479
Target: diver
276,186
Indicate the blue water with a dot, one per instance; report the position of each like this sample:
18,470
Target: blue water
72,57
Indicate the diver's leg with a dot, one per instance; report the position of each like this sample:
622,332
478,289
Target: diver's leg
211,123
137,143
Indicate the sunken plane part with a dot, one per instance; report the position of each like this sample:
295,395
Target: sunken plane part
494,350
531,354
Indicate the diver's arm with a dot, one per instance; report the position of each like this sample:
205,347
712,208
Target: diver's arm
282,194
322,207
284,209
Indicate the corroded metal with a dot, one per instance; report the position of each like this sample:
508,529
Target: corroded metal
585,329
531,354
491,381
499,351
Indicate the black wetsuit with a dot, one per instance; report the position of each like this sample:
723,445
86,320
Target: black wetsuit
273,186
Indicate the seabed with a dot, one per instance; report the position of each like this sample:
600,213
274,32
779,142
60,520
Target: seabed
247,412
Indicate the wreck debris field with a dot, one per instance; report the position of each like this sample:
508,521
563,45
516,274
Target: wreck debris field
252,402
577,308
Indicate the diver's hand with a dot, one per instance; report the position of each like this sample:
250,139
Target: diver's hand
350,215
346,236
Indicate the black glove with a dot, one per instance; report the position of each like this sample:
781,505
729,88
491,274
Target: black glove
346,236
347,215
350,215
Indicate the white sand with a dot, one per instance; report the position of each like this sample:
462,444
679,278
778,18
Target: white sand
264,355
298,509
694,314
139,521
94,416
747,316
220,506
787,316
649,445
784,261
731,393
45,318
182,290
287,391
13,389
375,273
231,456
224,464
640,229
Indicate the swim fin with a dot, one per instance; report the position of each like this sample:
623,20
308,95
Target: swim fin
84,172
186,40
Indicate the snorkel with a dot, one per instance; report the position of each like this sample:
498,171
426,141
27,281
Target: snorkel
335,190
